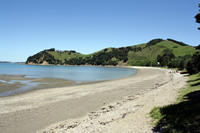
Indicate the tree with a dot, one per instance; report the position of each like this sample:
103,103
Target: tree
198,47
166,57
197,17
193,65
153,42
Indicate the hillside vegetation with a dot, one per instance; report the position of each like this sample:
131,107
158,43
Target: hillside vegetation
147,54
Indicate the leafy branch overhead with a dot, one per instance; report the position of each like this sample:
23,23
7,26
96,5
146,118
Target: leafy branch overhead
193,65
197,17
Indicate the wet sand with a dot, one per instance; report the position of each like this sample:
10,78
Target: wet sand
16,82
36,110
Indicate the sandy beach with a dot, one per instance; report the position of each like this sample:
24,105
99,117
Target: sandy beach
120,105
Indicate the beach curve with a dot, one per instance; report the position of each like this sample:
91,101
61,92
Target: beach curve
33,111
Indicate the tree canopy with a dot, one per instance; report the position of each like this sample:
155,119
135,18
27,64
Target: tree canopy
193,65
197,17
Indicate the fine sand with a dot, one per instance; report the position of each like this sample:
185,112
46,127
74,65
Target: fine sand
120,105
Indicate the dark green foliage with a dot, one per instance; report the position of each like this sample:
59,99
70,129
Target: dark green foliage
193,65
50,59
140,55
197,47
70,52
153,42
183,61
182,117
179,62
174,63
101,58
197,17
51,49
148,63
180,43
110,58
166,57
75,61
40,57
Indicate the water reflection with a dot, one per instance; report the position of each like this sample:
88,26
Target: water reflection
27,85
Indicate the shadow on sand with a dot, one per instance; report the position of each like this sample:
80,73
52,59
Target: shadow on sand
183,117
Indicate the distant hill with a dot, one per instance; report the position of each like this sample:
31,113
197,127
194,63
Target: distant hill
147,54
5,62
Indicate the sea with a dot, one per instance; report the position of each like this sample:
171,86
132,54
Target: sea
75,73
78,74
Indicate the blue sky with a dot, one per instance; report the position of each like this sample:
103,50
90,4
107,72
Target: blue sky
30,26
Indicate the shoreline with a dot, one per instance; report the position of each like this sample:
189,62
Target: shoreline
45,64
19,84
36,110
14,84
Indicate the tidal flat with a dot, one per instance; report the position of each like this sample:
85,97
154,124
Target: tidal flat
15,84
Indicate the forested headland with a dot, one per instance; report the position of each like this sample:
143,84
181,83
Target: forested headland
157,52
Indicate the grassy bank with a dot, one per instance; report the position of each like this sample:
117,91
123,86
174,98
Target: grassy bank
184,115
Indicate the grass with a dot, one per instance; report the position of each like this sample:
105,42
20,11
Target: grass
146,55
178,50
193,85
149,54
65,55
184,115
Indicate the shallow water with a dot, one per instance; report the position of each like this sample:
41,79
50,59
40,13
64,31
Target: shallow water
75,73
27,85
15,84
42,77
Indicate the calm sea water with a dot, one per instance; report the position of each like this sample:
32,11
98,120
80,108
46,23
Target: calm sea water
75,73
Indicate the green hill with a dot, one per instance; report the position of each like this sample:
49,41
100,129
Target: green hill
149,54
140,55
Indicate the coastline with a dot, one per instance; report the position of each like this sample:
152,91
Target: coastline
36,110
18,84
